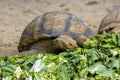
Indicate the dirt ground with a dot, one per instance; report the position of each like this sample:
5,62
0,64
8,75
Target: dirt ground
16,14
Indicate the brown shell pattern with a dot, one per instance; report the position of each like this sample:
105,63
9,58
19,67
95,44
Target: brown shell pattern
53,24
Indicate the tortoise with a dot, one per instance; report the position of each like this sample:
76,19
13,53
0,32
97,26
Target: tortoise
111,22
54,32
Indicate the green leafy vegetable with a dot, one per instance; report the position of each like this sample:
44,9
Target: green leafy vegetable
98,58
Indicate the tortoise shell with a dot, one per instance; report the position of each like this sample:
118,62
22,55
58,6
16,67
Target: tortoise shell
111,22
51,25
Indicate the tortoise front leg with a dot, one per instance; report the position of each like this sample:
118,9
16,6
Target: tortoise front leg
65,41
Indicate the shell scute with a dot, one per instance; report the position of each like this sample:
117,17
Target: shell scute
51,25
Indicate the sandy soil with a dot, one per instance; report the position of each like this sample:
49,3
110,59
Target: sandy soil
16,14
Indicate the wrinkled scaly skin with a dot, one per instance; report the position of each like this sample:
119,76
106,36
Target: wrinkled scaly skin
111,22
53,32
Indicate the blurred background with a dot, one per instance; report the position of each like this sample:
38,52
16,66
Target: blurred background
16,14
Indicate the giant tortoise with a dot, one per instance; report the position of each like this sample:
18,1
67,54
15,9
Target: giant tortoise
111,22
54,32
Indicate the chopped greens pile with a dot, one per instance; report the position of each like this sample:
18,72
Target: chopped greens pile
96,59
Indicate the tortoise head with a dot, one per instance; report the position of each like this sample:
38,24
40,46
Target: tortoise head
66,42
